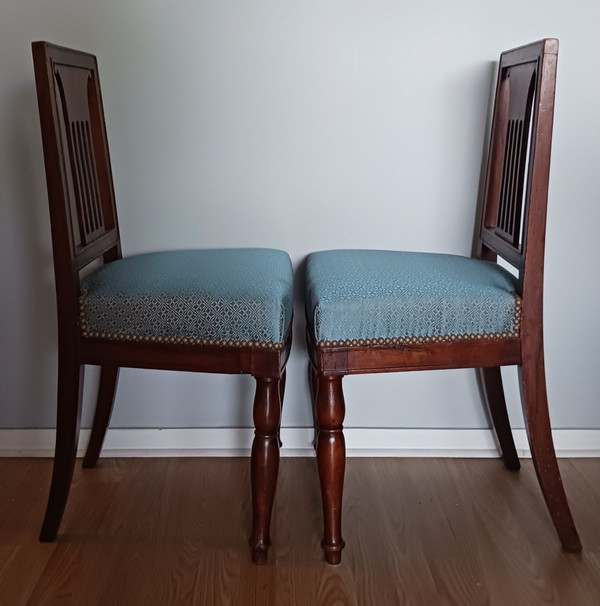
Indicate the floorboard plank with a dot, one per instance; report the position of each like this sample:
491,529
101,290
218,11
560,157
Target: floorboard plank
419,532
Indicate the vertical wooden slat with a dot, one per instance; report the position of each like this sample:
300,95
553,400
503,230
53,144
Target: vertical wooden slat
518,194
78,184
512,179
96,208
84,191
83,197
501,206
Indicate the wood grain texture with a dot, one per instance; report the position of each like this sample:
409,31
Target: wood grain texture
420,531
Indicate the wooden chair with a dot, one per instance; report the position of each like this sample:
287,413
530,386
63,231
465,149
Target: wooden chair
219,311
381,311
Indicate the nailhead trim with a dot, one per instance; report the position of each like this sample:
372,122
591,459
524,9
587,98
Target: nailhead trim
180,340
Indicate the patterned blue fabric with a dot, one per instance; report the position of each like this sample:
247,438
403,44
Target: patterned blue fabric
219,296
369,297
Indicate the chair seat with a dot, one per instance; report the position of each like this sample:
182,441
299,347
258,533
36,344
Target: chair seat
230,297
372,297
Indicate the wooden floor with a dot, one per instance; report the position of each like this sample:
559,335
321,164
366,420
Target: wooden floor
418,531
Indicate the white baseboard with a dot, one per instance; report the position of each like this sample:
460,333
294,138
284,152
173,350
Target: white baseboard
360,442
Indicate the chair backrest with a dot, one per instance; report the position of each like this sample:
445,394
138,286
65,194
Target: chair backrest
516,190
78,173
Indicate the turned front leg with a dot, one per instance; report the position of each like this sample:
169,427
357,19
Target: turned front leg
264,464
313,380
331,460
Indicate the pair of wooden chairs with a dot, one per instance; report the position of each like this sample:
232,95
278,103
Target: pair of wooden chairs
230,311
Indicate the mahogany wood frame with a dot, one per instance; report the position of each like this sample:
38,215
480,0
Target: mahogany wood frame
513,226
84,229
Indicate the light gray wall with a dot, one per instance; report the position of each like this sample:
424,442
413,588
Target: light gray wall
303,126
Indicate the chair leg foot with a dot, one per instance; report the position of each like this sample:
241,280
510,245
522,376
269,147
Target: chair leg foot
535,404
264,464
331,461
70,385
107,388
260,553
493,394
333,556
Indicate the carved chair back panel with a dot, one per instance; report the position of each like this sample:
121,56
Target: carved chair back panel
81,195
520,148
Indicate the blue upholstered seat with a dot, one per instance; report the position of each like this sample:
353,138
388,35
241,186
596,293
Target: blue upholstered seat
219,297
371,297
